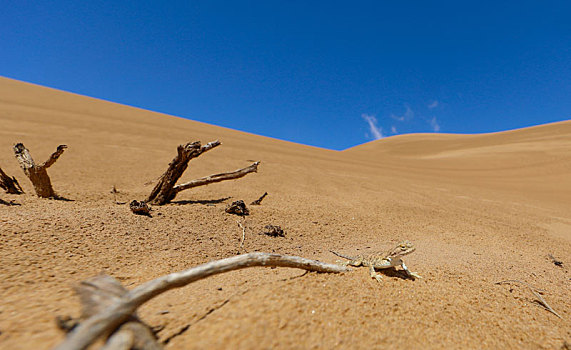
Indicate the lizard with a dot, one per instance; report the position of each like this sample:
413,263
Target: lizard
390,259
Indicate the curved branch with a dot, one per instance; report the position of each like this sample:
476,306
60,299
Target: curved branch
122,309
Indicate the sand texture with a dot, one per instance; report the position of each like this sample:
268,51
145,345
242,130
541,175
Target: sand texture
480,209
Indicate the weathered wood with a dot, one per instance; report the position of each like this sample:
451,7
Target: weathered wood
163,191
123,308
166,189
9,184
100,292
38,174
218,177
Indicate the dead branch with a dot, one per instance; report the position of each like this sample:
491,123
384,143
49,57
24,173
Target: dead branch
9,184
218,177
100,292
259,200
48,163
535,292
163,191
166,189
114,310
38,174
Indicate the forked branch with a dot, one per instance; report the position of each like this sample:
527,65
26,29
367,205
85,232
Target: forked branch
123,308
38,174
166,188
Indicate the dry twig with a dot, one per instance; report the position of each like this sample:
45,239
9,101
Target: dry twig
535,292
114,191
243,233
120,309
259,200
556,261
10,203
207,180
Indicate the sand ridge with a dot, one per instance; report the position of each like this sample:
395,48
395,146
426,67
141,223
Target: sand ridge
480,209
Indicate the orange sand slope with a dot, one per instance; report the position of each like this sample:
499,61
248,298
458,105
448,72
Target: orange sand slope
480,209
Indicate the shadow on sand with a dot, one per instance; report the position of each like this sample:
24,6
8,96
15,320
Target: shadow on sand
203,202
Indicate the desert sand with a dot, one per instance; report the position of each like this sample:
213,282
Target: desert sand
479,208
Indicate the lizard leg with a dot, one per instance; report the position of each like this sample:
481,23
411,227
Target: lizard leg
374,274
408,272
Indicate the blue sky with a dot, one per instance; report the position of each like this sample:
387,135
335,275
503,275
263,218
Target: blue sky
331,74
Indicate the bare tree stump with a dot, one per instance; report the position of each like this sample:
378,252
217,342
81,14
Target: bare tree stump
38,174
166,189
111,306
9,184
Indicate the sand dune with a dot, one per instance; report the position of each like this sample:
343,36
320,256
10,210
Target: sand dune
480,208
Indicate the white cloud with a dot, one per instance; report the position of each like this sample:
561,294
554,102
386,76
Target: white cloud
375,130
433,104
393,129
434,125
408,114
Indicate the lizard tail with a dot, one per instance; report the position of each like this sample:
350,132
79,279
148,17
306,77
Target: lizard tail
341,255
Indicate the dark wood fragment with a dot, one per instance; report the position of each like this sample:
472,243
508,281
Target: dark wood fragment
140,208
259,200
238,208
9,184
273,231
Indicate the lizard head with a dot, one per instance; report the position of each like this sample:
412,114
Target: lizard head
403,248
